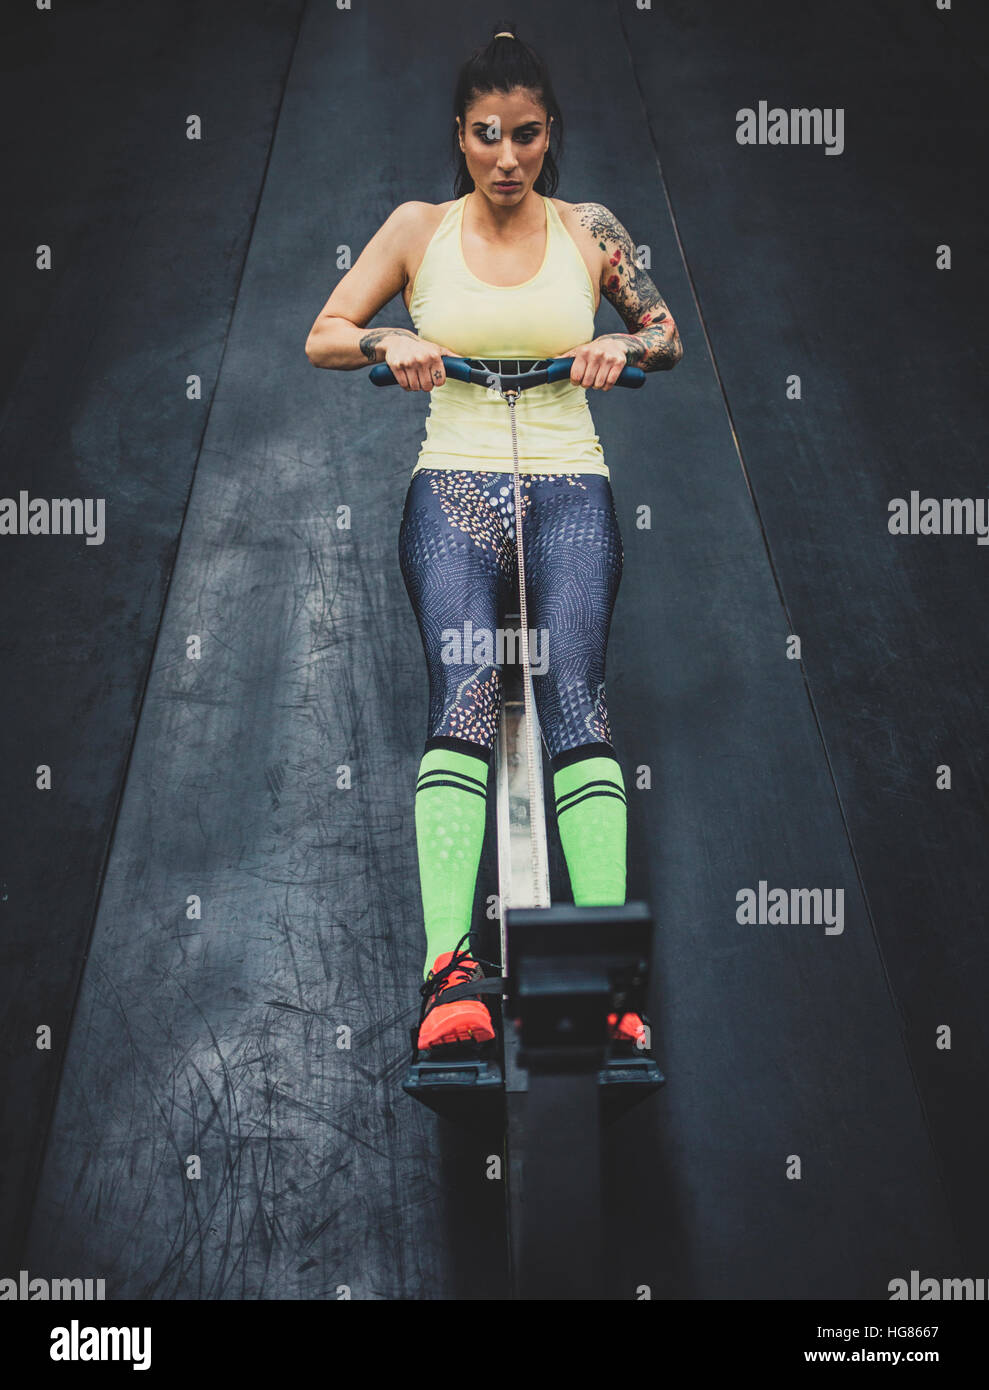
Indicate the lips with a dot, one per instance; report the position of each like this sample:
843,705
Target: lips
510,184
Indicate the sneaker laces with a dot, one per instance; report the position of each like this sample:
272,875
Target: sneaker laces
458,970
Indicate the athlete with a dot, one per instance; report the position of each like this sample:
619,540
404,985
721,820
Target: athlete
505,273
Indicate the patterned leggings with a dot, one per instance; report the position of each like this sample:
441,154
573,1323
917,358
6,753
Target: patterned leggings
459,562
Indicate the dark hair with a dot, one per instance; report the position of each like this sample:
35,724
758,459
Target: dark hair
506,63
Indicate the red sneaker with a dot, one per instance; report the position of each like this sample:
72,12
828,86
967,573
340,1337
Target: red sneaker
462,1019
629,1028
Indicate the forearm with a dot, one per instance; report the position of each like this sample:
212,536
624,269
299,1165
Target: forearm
654,349
338,343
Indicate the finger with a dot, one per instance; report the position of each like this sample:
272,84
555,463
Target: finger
601,370
613,374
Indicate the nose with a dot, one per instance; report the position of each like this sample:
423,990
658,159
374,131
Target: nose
507,162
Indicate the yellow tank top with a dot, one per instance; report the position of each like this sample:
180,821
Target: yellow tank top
469,427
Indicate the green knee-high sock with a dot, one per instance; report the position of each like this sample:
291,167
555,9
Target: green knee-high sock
591,813
451,798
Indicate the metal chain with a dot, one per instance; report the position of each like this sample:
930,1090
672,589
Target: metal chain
539,875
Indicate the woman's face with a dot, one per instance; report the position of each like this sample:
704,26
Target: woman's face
504,139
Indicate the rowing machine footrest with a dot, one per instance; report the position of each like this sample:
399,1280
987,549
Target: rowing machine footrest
468,1084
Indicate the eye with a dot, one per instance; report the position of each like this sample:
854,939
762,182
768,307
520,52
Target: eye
525,139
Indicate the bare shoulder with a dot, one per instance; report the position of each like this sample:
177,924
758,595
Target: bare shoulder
416,219
586,223
413,212
415,224
597,227
573,215
602,239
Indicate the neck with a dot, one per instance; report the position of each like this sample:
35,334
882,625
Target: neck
528,215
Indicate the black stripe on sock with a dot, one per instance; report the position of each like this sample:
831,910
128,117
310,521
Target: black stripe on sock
470,782
576,755
452,772
570,804
564,800
424,786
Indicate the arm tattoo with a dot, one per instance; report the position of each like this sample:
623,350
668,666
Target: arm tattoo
652,340
370,341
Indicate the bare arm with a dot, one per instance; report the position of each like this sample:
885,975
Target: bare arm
339,338
652,341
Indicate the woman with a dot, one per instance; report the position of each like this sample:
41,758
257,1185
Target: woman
505,271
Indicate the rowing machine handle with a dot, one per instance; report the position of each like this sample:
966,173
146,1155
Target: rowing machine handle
461,370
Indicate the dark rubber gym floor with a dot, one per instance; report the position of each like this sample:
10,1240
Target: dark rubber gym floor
159,364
